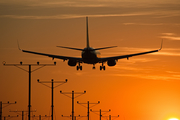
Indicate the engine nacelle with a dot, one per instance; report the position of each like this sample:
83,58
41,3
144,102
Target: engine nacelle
72,62
111,62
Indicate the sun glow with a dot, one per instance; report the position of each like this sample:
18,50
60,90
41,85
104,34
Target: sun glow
173,119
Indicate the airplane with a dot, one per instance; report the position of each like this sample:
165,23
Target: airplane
90,55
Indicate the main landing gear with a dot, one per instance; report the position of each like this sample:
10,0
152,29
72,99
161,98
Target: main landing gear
94,66
102,67
79,67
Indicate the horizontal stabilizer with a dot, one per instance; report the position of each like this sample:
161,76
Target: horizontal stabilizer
104,48
70,48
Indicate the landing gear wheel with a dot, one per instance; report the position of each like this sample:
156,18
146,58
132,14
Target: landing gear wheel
102,67
79,67
94,67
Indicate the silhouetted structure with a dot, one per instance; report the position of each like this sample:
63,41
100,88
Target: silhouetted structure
22,112
110,117
9,116
72,97
52,88
90,55
29,71
40,117
100,112
88,107
8,103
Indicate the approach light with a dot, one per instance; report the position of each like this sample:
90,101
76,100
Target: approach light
4,63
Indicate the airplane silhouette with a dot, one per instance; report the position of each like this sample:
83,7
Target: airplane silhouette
89,55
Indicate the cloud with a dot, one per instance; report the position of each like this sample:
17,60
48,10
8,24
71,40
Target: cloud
150,77
69,16
170,36
148,24
93,3
167,34
130,68
41,17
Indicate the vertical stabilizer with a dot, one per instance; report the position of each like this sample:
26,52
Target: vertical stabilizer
87,33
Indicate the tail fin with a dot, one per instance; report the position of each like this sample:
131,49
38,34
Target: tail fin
87,33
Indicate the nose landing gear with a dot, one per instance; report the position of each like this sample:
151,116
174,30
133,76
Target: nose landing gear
102,67
79,67
94,66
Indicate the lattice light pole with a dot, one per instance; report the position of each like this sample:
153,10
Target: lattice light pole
110,117
21,111
88,107
100,112
72,97
74,116
7,104
52,88
29,71
9,116
40,116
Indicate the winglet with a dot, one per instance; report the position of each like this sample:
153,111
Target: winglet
18,45
161,45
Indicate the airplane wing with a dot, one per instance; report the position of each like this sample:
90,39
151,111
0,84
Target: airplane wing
129,55
125,56
54,56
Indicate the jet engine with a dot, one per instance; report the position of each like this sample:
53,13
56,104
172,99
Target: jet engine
72,62
111,62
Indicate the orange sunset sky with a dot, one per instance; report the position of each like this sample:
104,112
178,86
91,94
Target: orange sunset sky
144,87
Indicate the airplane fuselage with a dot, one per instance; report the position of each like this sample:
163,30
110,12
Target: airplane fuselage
90,56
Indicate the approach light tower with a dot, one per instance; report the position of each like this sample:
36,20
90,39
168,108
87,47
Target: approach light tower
9,116
100,112
88,107
22,112
29,71
7,104
52,92
72,97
